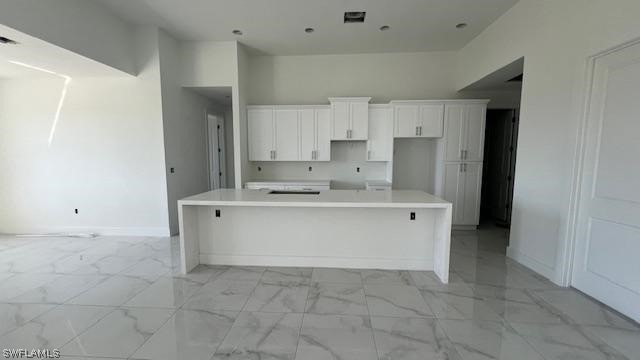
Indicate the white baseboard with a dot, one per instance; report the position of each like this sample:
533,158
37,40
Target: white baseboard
531,263
103,231
316,261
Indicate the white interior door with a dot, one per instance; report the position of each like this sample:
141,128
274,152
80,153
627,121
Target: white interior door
606,264
220,153
214,145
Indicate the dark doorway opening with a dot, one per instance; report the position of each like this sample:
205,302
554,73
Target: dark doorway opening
500,147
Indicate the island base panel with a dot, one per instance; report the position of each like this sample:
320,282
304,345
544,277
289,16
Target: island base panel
382,238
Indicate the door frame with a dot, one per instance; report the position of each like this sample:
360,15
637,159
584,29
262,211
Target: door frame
567,248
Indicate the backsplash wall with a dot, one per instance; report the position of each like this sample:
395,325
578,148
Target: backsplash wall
346,158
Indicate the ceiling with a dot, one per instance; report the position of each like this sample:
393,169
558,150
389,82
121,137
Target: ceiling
501,79
220,95
37,53
276,27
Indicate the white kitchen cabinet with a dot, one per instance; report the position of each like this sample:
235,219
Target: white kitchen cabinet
464,132
315,140
349,118
431,121
462,184
289,133
260,133
286,146
380,139
415,119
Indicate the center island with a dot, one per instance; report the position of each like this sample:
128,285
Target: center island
397,229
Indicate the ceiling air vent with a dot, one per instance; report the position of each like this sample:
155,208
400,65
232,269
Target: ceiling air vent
354,17
4,40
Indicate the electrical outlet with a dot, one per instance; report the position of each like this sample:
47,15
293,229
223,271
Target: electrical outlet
310,169
412,216
75,211
217,213
172,170
259,168
358,169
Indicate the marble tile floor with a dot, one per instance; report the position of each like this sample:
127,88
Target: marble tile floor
123,298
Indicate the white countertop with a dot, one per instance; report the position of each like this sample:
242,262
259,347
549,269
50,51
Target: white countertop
291,182
327,198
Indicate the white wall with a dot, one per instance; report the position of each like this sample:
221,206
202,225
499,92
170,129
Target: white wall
555,38
106,158
312,79
214,64
83,27
209,63
240,98
185,137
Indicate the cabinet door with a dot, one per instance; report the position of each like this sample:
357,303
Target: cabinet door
470,209
406,120
307,134
340,123
431,120
261,133
323,134
454,129
286,135
475,118
454,189
380,143
359,120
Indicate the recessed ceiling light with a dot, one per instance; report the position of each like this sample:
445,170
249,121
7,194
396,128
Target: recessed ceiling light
461,26
309,30
384,28
236,32
354,17
4,40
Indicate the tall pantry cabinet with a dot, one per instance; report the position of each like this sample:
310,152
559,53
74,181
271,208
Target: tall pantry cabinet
462,152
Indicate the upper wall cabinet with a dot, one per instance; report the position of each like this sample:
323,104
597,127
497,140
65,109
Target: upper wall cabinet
261,133
464,131
380,143
349,118
418,119
315,143
288,133
286,144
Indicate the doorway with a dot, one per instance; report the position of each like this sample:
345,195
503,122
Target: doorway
500,147
217,152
